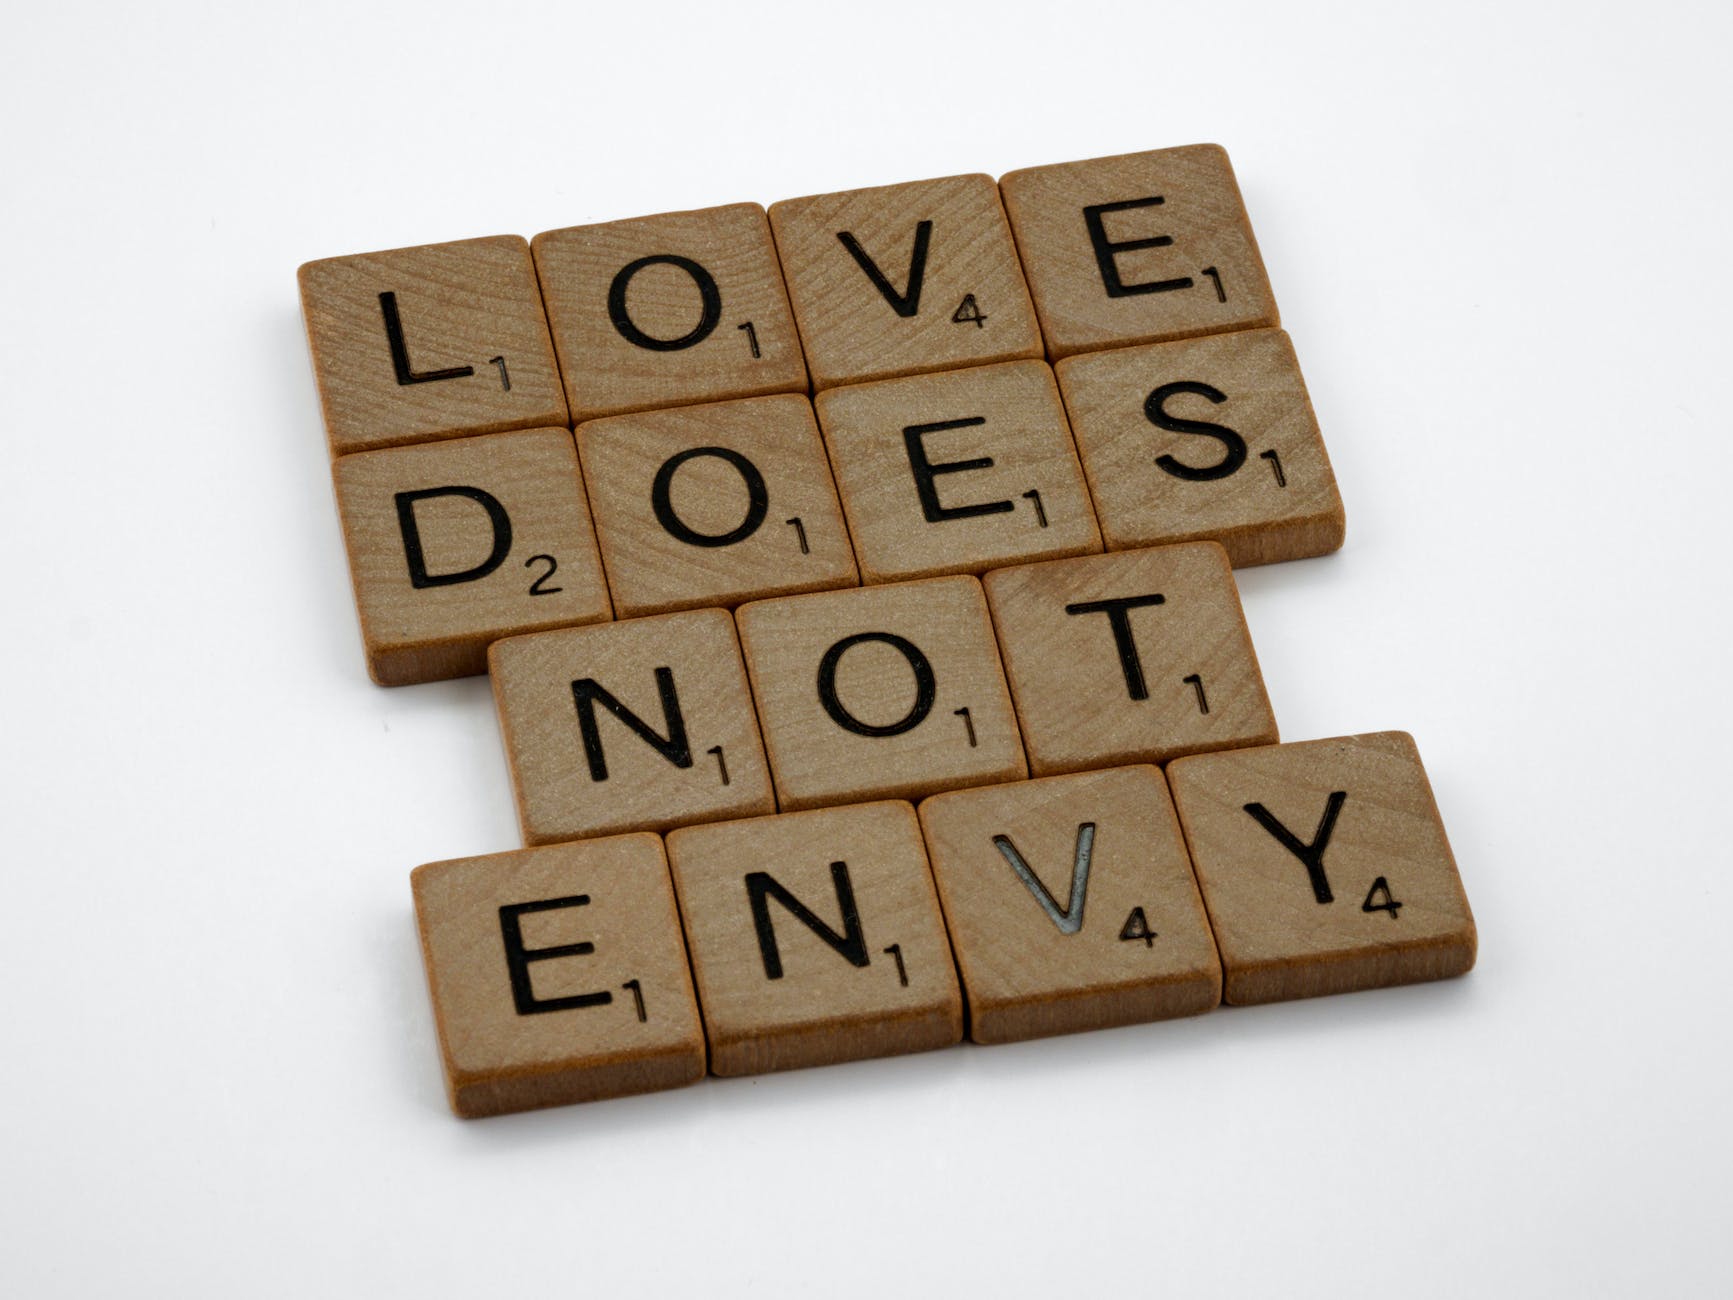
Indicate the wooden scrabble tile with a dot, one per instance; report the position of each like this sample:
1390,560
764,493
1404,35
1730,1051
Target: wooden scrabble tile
1205,438
1070,904
641,725
957,472
815,938
714,504
558,975
668,310
1129,657
899,279
1137,248
1324,866
439,341
880,692
455,544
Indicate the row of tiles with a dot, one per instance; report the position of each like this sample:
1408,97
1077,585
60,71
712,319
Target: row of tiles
626,964
455,544
894,691
482,335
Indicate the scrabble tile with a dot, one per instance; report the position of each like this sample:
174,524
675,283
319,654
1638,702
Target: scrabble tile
815,938
1129,657
641,725
899,279
1324,867
440,341
453,545
714,504
558,975
669,310
886,692
1070,904
1138,248
957,472
1205,438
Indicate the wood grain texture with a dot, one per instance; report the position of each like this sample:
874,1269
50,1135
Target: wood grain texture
790,539
507,508
906,660
1185,197
469,319
1004,486
1208,438
1111,932
951,297
780,993
613,895
1387,905
633,335
1174,673
617,778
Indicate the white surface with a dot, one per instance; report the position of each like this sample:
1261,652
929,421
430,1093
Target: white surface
1498,235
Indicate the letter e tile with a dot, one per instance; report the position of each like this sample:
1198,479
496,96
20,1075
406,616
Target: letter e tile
957,472
558,975
1137,248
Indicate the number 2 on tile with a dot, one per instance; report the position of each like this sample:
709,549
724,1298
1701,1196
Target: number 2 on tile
539,587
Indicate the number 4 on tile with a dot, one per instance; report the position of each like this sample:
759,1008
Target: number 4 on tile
1137,927
1390,905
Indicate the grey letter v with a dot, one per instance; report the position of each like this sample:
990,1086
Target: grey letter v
1070,921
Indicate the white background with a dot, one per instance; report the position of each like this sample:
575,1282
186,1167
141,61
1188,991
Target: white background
1498,235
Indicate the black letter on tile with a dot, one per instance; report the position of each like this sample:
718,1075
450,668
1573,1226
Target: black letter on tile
1106,249
926,686
761,887
1119,618
1311,854
418,575
587,693
926,471
707,290
757,498
908,302
400,349
518,958
1234,446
